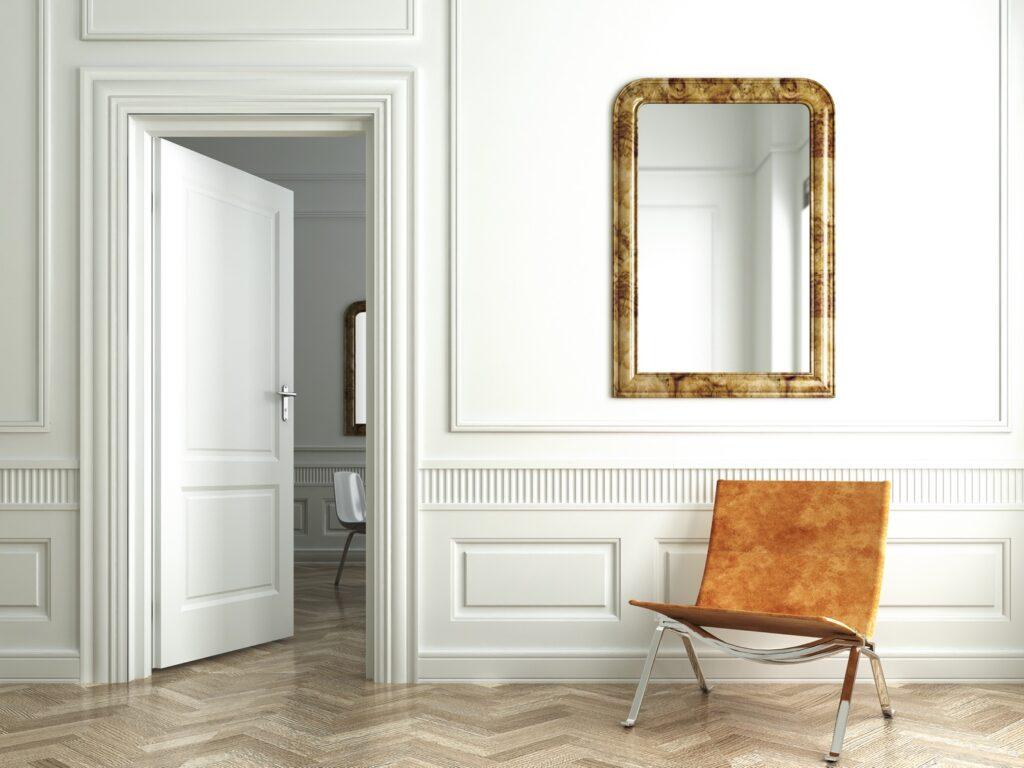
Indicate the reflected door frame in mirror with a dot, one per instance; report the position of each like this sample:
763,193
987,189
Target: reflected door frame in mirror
627,380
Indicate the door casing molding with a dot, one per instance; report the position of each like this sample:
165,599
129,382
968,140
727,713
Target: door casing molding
121,109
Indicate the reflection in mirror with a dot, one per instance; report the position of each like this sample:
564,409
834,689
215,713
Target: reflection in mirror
355,369
723,238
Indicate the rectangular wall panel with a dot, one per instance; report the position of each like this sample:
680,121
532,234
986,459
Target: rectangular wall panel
24,579
945,580
535,579
24,289
244,19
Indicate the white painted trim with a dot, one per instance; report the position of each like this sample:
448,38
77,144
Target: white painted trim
44,270
359,215
89,31
49,487
44,666
315,178
567,487
1001,424
109,100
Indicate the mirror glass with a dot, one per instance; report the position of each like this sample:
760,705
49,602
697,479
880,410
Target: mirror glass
723,238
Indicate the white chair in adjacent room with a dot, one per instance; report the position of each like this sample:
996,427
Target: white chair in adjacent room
350,505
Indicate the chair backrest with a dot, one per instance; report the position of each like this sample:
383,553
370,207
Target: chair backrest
798,548
349,497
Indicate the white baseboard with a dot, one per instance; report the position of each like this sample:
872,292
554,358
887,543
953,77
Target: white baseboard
330,555
959,666
38,667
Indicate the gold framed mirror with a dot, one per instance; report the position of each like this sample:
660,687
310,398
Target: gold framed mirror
722,239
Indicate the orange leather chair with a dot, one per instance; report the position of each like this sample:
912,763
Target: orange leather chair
790,558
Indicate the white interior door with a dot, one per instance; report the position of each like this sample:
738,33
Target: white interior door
224,270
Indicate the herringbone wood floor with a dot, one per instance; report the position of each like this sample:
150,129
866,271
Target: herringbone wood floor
304,702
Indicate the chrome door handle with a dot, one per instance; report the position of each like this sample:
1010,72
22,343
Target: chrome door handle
285,396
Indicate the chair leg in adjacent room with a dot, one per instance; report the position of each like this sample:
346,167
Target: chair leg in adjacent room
880,686
698,671
843,715
645,676
344,554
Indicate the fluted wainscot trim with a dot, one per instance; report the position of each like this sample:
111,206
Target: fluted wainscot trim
322,477
38,487
605,488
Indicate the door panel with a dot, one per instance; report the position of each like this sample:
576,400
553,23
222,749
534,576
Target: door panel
223,265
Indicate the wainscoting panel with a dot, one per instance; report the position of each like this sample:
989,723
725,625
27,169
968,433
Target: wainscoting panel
518,596
557,580
24,579
38,593
321,537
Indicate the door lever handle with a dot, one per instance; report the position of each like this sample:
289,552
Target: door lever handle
285,396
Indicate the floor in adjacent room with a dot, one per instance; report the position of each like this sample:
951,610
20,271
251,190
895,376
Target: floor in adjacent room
304,702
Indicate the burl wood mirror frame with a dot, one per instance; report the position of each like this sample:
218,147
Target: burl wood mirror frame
626,380
351,427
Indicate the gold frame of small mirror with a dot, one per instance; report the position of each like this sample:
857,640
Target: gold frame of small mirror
627,380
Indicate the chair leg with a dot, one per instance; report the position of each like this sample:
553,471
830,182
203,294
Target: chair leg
880,686
844,707
641,687
344,554
698,672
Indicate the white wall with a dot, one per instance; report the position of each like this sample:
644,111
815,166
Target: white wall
328,177
521,449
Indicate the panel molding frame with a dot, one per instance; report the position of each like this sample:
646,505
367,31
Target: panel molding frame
113,103
44,270
89,31
1001,424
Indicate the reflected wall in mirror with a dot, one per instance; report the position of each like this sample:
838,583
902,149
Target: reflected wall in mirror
723,239
355,368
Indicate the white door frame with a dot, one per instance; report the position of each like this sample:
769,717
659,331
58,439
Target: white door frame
121,110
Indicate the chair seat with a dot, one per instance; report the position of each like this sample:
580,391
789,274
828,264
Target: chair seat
776,623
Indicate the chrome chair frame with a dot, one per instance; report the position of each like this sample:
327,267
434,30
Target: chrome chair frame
815,649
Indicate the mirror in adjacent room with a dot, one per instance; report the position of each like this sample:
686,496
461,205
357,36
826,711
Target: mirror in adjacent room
355,368
723,244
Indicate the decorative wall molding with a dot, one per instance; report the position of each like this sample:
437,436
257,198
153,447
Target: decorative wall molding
322,477
322,178
459,422
134,30
616,488
40,422
112,616
360,215
38,487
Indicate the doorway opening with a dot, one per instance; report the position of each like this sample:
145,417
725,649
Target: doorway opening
231,488
249,486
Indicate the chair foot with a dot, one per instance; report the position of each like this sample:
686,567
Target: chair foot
645,676
698,671
843,715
